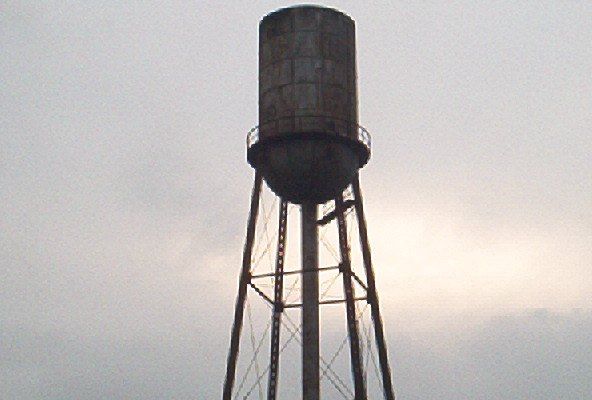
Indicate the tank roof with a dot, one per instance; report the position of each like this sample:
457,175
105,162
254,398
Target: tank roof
303,6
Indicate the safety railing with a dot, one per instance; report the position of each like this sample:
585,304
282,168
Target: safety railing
252,137
363,136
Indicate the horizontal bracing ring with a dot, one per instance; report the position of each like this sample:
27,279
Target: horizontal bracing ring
297,305
324,302
300,271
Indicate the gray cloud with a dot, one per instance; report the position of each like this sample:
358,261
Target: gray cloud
537,354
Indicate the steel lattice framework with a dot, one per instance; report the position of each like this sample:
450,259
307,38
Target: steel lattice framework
278,304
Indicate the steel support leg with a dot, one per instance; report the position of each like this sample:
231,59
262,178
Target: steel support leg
278,303
242,291
372,295
352,323
310,303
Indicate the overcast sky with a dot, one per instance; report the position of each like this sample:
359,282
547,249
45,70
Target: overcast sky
124,194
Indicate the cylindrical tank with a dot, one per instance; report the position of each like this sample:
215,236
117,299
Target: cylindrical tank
308,144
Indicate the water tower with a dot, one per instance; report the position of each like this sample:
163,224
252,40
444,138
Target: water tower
308,148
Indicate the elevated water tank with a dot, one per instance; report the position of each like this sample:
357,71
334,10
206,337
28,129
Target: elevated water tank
308,143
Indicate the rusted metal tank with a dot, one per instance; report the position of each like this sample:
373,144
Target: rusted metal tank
308,144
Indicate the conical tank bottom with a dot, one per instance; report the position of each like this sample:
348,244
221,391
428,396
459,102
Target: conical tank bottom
307,169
